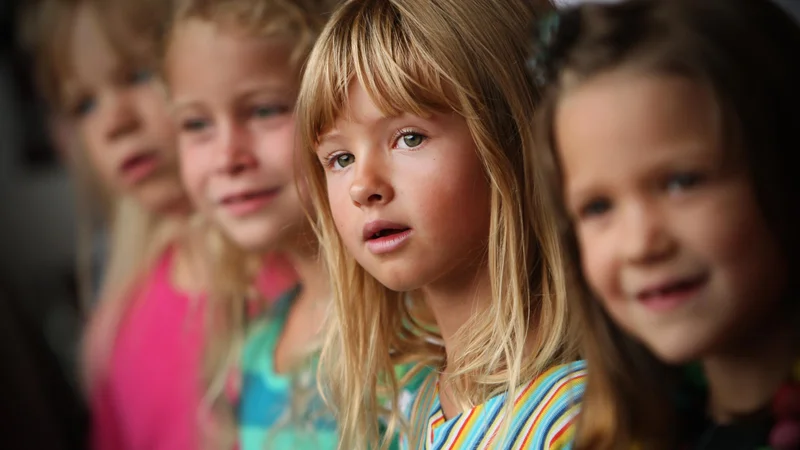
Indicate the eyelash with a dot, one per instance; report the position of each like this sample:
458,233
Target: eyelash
83,107
408,132
193,125
330,160
585,212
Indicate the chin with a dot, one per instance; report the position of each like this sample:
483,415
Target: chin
676,354
253,242
397,282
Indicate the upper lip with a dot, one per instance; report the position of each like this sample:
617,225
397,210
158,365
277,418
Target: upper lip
669,283
246,193
377,225
124,164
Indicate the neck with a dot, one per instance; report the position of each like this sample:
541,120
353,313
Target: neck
454,301
744,379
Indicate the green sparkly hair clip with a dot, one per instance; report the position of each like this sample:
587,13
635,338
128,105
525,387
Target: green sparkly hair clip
553,37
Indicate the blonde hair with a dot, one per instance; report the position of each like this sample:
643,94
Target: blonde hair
234,269
419,56
703,42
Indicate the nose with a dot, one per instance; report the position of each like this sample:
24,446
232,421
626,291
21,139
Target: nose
235,152
370,186
123,119
645,237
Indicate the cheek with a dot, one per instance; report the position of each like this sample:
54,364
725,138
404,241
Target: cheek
735,239
341,205
100,160
276,149
597,265
195,168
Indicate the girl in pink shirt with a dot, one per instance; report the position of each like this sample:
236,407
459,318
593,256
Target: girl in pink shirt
143,343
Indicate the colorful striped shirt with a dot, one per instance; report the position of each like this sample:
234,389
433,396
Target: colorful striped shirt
543,417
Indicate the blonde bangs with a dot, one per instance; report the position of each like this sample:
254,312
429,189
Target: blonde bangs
390,62
417,57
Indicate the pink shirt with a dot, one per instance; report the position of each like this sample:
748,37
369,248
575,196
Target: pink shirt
150,396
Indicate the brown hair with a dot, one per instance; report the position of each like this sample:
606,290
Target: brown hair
745,52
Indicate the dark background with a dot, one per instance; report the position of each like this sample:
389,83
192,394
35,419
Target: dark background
40,407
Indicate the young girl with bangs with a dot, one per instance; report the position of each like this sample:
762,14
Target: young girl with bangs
95,62
414,116
237,142
667,130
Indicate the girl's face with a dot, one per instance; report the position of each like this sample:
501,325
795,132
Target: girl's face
408,194
672,240
121,115
234,97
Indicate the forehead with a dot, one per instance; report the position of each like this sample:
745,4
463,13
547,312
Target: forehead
204,53
622,118
91,55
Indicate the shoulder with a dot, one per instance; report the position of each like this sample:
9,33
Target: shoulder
549,406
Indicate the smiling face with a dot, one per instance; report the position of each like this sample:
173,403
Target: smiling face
121,115
408,194
671,237
237,130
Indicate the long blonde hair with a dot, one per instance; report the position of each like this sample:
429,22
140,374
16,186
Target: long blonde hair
745,53
233,269
419,56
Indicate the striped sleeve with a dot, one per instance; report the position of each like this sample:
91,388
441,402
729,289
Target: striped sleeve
553,422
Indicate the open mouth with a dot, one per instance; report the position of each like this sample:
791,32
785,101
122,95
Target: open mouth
387,232
245,203
675,288
672,294
138,167
247,196
383,237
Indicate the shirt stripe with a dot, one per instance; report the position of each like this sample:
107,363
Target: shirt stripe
543,417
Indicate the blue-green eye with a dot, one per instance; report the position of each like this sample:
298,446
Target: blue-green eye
194,125
140,76
343,160
682,181
84,107
268,111
410,140
594,208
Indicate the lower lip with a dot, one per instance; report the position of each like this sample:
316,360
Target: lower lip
140,170
251,205
673,300
387,244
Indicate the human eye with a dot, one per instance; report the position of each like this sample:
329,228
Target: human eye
266,111
194,124
679,182
84,106
339,160
594,208
140,76
409,140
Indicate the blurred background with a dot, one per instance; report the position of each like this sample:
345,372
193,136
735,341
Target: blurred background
39,318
